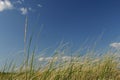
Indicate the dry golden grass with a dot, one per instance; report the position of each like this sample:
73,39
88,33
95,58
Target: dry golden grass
104,68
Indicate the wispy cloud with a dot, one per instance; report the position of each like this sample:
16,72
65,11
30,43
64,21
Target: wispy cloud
5,5
24,11
19,2
39,5
115,45
64,58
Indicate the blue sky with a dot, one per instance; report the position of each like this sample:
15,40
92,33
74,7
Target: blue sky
73,21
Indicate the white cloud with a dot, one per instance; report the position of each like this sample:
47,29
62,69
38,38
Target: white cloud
64,58
45,58
16,5
39,5
115,45
5,5
24,11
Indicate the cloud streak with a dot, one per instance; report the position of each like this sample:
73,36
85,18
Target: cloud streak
115,45
5,5
64,58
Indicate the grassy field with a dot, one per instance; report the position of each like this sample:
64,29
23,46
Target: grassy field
105,67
